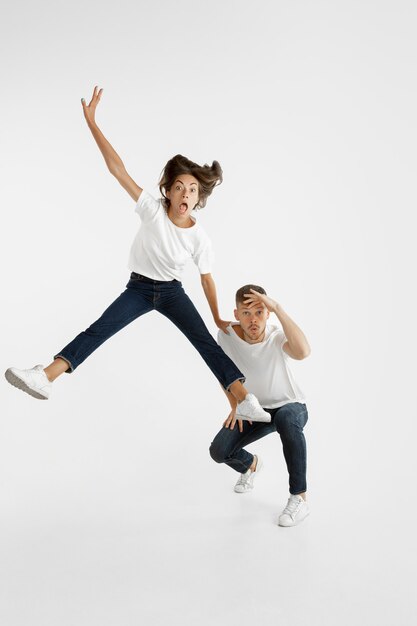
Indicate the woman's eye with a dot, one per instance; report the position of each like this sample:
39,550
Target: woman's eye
193,190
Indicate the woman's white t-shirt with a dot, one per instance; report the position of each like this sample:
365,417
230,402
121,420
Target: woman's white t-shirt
161,249
265,366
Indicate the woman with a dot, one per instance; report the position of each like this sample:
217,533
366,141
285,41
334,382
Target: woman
168,236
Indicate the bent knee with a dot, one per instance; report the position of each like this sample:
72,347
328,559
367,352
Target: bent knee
217,453
289,422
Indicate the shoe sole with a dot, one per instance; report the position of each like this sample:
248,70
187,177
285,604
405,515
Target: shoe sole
295,523
245,418
14,380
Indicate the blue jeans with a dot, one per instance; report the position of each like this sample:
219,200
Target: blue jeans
142,295
288,421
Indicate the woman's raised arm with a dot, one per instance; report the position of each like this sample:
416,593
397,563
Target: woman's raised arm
113,161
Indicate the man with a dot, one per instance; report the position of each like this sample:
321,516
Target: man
262,351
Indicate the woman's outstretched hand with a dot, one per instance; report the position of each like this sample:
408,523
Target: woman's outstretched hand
90,109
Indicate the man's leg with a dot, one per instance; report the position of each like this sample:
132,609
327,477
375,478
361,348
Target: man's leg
289,421
228,445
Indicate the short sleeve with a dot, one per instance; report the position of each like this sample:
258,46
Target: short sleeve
204,255
224,341
281,339
147,206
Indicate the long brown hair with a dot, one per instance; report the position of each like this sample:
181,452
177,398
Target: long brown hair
208,177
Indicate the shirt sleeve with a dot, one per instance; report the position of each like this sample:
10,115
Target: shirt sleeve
147,206
203,257
224,342
281,339
220,338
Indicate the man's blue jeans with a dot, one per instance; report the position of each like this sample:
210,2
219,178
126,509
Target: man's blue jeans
288,421
142,295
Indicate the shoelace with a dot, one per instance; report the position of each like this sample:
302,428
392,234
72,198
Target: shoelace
292,507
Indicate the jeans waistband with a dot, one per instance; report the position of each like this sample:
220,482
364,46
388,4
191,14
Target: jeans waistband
145,279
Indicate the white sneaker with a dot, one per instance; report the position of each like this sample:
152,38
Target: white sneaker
295,511
34,381
250,409
245,482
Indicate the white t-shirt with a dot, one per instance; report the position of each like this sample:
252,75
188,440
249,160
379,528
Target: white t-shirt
265,366
161,249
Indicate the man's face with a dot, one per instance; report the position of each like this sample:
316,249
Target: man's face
252,321
183,196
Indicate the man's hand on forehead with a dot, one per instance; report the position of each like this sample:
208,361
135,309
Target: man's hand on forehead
255,299
252,302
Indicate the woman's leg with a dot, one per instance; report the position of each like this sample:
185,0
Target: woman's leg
132,303
177,307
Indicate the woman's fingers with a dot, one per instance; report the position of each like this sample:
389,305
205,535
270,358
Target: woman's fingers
95,98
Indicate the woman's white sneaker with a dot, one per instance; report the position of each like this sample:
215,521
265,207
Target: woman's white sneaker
250,409
295,511
245,481
34,381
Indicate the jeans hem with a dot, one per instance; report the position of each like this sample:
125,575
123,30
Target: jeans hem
242,379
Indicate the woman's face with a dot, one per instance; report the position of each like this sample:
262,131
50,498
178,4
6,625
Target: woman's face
183,196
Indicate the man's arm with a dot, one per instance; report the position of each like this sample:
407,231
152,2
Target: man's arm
296,346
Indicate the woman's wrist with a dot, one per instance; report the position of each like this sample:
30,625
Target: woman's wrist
92,125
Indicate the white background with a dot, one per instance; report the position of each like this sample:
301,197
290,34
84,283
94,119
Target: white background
112,512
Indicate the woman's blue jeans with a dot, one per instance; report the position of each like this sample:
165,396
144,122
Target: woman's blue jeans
142,295
288,421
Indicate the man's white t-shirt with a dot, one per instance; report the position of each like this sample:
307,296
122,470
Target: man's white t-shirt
161,249
265,366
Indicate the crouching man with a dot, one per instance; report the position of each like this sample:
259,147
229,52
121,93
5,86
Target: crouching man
262,351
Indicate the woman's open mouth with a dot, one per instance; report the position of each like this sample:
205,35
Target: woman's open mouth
183,208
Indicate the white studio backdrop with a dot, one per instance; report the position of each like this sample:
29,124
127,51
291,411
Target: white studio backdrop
310,109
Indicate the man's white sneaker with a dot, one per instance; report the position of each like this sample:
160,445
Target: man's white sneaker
245,482
250,409
34,381
295,511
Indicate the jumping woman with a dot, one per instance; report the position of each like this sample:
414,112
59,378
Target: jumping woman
168,236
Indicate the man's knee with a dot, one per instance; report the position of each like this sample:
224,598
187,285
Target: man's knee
217,453
289,419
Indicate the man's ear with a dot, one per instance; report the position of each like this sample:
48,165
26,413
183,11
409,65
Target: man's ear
267,314
236,316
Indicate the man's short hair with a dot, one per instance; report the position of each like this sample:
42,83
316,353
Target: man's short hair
240,298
